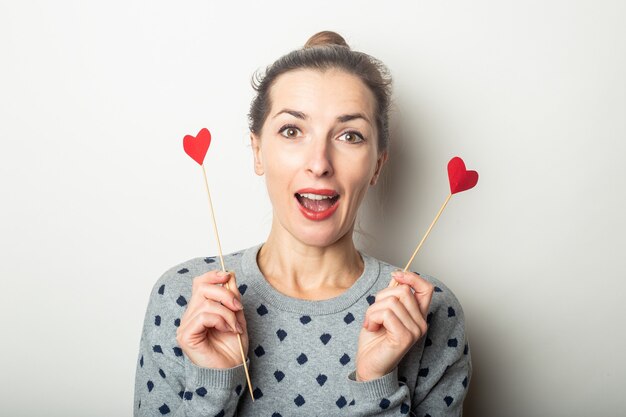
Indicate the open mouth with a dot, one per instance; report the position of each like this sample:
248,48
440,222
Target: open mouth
315,202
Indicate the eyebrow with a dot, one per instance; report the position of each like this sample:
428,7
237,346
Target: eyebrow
342,119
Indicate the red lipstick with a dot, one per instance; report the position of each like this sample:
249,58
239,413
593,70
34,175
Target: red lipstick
317,209
320,191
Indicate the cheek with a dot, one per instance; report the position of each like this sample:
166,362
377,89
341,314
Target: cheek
280,167
358,184
359,179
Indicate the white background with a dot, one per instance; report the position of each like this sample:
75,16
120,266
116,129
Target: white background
98,198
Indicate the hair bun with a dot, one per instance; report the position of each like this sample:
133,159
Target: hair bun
325,37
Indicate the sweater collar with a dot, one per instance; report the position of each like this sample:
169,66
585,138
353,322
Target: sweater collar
284,302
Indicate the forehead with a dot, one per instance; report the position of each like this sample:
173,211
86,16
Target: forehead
322,93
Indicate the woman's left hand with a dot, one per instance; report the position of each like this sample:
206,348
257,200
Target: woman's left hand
393,323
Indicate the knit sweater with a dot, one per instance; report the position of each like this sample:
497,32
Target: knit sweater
302,353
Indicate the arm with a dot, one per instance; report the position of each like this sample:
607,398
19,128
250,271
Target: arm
166,381
442,374
446,367
393,324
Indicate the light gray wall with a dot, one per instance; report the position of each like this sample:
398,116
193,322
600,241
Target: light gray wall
98,198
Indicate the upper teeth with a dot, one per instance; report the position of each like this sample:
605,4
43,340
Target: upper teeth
315,196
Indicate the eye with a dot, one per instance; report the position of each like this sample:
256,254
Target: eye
352,136
290,129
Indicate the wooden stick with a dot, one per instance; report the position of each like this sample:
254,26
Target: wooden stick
219,246
395,283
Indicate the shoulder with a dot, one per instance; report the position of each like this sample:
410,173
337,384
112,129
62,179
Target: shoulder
174,284
444,301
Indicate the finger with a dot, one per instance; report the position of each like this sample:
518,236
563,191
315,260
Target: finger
210,293
205,287
414,326
223,311
392,281
387,318
217,293
404,293
209,277
423,289
234,288
241,319
198,326
214,276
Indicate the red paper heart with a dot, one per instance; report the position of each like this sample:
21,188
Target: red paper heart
460,178
196,147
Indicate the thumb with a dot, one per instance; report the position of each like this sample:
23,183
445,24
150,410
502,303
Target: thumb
234,288
231,285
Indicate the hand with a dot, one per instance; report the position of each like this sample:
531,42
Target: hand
208,328
393,323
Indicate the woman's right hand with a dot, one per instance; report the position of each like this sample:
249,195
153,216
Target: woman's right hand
207,332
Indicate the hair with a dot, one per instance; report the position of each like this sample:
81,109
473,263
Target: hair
326,50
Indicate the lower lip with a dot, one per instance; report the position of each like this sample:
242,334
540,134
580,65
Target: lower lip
317,215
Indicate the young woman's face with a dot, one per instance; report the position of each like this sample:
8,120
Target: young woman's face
320,135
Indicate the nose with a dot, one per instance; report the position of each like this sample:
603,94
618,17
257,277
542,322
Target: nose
319,159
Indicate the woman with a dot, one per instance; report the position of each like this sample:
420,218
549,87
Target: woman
323,330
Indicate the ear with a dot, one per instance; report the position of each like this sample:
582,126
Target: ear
379,166
256,152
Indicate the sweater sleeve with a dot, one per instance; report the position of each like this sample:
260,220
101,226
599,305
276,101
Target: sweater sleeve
166,381
382,396
445,368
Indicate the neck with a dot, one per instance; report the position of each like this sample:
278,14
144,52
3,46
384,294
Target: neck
310,272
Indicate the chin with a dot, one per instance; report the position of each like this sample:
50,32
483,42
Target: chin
318,236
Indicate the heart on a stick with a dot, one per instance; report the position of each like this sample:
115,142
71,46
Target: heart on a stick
196,147
460,178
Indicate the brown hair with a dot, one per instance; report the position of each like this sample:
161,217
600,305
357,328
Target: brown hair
326,50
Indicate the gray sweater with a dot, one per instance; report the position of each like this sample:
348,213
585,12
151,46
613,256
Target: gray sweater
302,353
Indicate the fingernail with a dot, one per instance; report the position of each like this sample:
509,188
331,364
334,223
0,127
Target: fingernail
239,329
397,274
222,274
237,303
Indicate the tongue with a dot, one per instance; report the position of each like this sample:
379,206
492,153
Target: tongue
316,205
